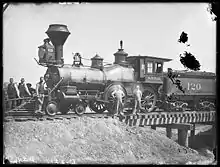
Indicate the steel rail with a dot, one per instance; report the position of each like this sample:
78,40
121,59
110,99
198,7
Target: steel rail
39,117
70,115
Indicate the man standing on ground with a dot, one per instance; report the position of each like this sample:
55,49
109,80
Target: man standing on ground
137,98
23,89
118,94
12,92
40,88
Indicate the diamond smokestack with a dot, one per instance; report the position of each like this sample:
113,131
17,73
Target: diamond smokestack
58,34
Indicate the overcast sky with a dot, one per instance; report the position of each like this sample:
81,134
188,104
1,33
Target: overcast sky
148,29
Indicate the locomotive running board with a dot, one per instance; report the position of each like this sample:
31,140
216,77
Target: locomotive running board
102,101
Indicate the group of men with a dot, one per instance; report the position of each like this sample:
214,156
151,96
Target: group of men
118,95
15,91
16,94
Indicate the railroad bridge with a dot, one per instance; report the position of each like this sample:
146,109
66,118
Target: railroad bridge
164,118
183,121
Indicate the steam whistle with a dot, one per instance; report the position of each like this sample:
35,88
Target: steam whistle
121,44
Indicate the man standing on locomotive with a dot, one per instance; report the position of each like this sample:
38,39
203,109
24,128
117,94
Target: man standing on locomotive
23,89
137,98
118,94
12,92
40,88
46,52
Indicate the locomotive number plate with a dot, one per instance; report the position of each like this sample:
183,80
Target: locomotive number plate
194,86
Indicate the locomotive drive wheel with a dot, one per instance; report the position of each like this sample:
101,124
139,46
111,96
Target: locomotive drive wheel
80,109
51,108
148,100
111,106
97,106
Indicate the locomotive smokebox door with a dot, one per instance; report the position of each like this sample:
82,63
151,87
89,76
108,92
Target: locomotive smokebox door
58,34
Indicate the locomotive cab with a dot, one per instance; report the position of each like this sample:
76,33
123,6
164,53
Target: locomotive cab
148,73
147,68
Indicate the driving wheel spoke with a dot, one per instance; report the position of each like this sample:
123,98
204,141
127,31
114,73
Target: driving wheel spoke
148,100
97,106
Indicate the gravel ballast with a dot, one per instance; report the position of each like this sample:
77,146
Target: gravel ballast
92,140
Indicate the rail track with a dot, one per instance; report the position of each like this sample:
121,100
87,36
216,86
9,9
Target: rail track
31,116
143,119
48,118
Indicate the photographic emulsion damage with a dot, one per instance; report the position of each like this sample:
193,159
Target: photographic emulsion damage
116,83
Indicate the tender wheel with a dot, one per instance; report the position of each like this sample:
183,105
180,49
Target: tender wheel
97,106
179,106
206,106
212,106
148,100
80,109
51,108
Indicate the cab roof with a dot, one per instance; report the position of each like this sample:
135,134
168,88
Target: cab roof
150,57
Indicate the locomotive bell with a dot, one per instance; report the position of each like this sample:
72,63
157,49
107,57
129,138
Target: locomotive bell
58,34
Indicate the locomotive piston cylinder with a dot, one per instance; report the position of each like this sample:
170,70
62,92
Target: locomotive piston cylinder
58,34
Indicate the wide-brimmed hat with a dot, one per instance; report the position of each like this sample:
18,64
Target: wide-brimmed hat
47,40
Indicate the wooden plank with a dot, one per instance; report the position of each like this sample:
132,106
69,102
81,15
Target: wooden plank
20,119
177,126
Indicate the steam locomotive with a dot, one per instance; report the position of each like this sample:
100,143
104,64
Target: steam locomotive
76,86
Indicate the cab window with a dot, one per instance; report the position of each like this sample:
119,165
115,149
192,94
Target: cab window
158,68
150,67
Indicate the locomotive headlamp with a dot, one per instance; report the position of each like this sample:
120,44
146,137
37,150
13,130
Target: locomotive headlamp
77,59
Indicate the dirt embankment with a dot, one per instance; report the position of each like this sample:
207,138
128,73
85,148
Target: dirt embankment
89,140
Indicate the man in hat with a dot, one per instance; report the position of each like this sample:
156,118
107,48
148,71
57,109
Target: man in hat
40,88
118,94
13,93
23,90
137,98
31,90
46,52
42,52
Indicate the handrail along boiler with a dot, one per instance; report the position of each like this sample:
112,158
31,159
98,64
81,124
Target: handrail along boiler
76,86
